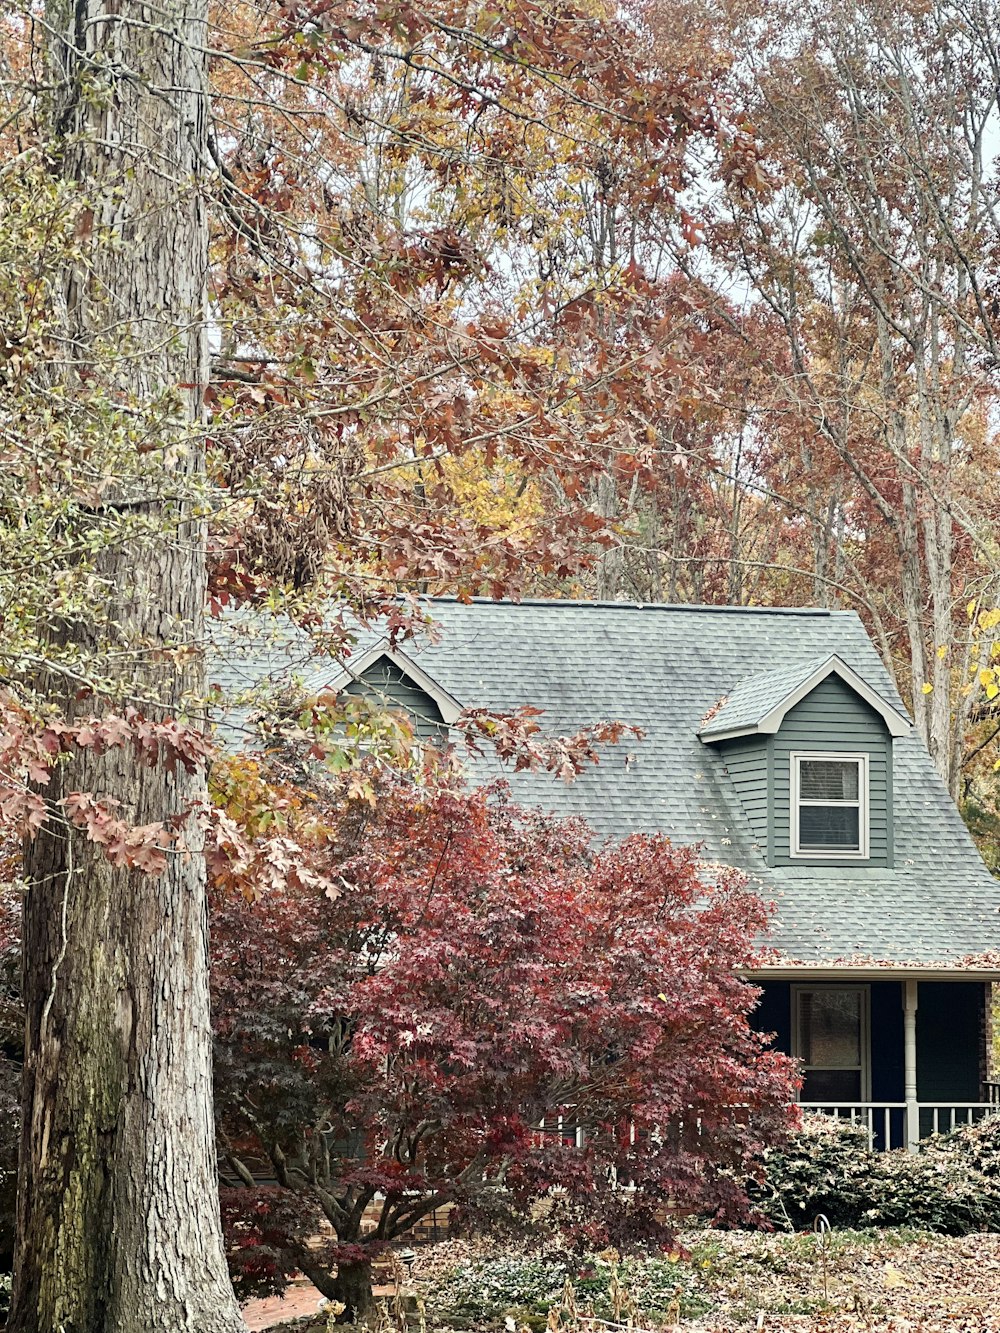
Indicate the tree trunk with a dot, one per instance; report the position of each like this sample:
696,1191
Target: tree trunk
611,561
118,1216
353,1288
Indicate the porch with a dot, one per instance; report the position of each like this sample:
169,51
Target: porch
903,1125
904,1058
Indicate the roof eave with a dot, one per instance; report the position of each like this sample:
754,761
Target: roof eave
895,722
448,706
711,737
770,723
897,971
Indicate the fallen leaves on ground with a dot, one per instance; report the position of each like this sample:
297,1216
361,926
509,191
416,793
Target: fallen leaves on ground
900,1282
893,1281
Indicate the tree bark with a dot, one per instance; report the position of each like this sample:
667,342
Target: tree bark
118,1217
353,1288
611,562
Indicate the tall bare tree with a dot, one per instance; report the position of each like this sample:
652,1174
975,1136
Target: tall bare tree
871,236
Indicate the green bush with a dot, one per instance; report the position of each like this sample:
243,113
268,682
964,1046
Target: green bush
485,1289
977,1147
951,1186
484,1292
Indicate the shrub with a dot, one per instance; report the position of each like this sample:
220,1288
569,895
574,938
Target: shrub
486,1289
977,1147
485,1292
822,1168
951,1186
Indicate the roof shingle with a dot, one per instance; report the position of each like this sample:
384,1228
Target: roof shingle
663,668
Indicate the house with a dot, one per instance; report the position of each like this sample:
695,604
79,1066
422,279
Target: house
776,741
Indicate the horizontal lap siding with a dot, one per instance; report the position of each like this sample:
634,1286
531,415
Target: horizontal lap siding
746,763
386,685
833,718
774,1014
887,1040
949,1041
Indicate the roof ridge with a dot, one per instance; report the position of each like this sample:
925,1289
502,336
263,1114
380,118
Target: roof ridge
790,668
818,611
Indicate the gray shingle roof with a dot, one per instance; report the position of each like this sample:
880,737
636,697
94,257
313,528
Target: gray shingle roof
663,669
762,701
753,697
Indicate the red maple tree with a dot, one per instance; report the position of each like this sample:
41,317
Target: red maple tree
478,972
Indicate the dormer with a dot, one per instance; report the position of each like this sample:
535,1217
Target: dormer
809,750
390,677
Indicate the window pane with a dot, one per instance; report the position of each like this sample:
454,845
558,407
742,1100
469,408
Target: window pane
828,779
829,828
831,1085
830,1028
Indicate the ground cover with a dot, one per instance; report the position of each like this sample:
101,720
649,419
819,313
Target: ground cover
900,1280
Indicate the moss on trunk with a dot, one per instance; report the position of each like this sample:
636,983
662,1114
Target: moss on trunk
118,1219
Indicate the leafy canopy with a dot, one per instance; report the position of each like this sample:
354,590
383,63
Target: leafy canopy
470,973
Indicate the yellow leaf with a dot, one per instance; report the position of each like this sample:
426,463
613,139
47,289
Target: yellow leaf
942,651
992,690
927,687
987,676
970,609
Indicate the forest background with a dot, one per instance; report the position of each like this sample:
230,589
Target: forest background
706,314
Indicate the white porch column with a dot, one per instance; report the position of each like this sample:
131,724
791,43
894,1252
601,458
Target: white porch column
912,1112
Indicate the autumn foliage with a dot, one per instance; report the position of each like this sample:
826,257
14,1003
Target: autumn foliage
487,1011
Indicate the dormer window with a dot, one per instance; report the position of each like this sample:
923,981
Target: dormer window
829,806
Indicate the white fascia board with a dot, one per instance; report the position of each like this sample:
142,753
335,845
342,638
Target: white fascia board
448,706
713,737
892,972
896,723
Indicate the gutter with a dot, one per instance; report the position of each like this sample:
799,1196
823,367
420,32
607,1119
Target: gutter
898,972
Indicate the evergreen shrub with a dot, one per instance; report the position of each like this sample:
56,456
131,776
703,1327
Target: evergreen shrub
952,1186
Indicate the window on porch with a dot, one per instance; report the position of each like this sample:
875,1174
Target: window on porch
830,1035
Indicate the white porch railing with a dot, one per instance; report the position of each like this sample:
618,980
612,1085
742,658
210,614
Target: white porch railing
945,1117
885,1122
903,1124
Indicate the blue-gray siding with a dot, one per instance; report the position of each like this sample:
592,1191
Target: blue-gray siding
385,684
747,765
833,718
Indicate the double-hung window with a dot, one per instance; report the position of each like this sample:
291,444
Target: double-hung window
831,1036
829,805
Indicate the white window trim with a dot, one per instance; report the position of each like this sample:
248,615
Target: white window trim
865,991
795,851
